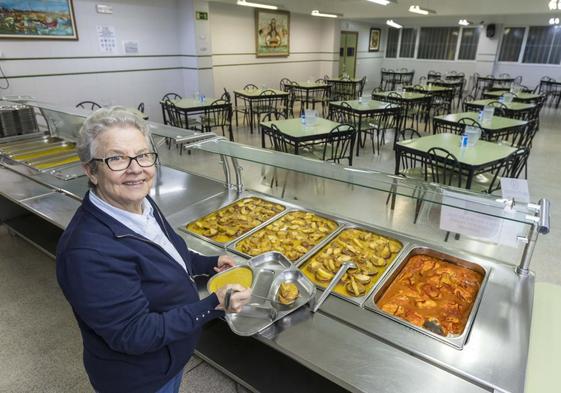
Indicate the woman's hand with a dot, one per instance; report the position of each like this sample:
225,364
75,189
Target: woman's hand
224,262
239,297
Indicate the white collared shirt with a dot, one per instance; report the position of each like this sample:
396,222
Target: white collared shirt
144,224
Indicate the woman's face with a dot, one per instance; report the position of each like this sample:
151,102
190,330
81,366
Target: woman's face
127,188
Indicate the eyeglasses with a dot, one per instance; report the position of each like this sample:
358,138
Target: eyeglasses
120,163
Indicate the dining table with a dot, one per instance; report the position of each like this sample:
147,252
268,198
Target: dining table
515,110
517,97
391,78
410,102
365,109
473,160
310,93
252,97
300,133
345,88
496,128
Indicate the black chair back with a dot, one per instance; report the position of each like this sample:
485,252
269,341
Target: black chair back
339,145
171,96
279,141
443,167
250,86
218,115
141,107
285,84
88,105
519,163
342,114
226,96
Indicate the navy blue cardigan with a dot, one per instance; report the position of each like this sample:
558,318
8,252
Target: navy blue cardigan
138,310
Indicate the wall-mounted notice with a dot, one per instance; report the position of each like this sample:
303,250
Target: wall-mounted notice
130,47
107,39
464,220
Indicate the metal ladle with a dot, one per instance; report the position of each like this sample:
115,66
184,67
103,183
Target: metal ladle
342,270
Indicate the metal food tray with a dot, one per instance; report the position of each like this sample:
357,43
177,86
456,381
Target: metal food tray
269,271
456,341
231,246
359,300
37,149
225,204
27,142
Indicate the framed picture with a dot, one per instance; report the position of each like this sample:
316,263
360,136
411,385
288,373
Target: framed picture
38,19
272,33
374,42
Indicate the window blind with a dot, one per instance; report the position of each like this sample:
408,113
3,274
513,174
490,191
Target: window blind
438,43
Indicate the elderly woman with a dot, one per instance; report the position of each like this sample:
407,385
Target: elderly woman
126,273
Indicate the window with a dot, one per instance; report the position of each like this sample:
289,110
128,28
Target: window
391,47
543,45
438,43
468,44
512,43
408,38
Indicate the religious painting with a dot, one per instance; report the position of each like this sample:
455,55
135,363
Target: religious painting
272,30
374,42
38,19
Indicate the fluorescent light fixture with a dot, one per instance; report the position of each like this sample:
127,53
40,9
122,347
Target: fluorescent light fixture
554,5
257,5
391,23
553,21
381,2
325,15
464,22
418,10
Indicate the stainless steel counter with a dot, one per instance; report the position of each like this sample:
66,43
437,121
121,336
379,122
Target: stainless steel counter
356,348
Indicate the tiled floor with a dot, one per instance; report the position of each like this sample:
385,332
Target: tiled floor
40,344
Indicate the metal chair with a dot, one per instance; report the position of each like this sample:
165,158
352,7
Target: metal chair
171,96
339,145
218,115
88,105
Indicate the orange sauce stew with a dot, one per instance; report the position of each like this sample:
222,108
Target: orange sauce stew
429,290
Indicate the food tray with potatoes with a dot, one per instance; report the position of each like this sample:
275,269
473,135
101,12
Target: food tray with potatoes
277,287
371,250
294,234
432,292
235,219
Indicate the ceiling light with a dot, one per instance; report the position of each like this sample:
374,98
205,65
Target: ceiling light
381,2
391,23
464,22
257,5
554,5
418,10
554,21
325,15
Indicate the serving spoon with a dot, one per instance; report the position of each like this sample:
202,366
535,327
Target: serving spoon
342,270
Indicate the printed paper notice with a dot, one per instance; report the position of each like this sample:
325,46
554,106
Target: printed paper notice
107,39
516,189
463,219
130,47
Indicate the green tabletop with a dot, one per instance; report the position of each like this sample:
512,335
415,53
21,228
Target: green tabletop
295,129
429,88
513,106
354,80
406,96
520,96
311,85
482,153
256,92
496,123
191,103
366,105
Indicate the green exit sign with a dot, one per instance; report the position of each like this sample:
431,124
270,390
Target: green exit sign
201,15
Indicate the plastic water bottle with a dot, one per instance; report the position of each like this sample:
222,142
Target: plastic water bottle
303,119
480,116
360,99
464,141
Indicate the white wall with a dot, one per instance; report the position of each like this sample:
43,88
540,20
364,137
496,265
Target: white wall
232,28
152,23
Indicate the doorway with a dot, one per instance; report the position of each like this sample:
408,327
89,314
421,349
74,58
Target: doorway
347,53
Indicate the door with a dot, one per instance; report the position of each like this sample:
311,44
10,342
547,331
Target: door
347,53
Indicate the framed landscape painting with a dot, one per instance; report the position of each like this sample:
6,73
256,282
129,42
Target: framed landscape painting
38,19
374,42
272,33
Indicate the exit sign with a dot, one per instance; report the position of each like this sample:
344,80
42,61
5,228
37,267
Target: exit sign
201,15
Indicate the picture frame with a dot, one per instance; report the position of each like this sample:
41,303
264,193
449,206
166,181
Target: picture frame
374,40
272,33
37,19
